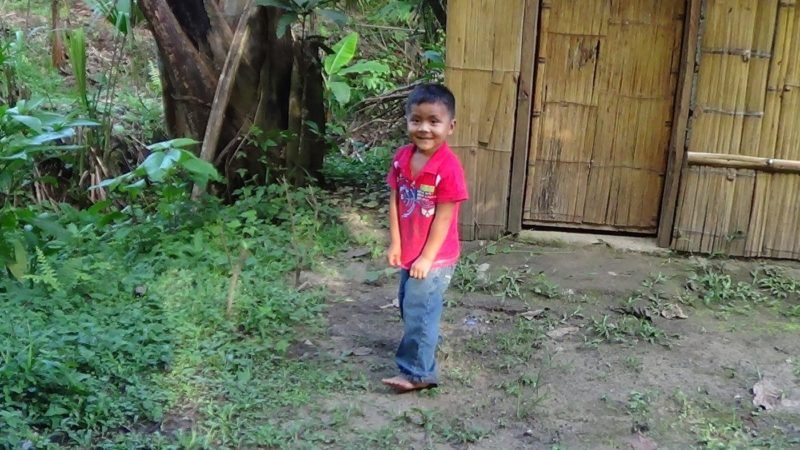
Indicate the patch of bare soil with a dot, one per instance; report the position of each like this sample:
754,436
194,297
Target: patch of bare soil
598,366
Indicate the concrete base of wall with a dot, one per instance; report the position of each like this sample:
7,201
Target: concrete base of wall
623,243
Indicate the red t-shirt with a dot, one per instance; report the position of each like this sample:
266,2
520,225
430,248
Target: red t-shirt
440,181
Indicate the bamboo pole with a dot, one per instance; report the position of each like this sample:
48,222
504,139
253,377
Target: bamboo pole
743,162
225,89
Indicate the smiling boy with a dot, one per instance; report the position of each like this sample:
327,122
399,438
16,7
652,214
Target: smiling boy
427,185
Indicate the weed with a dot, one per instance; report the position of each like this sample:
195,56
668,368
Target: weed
606,330
527,391
714,287
519,344
776,281
633,363
436,425
638,408
718,427
508,285
542,286
466,277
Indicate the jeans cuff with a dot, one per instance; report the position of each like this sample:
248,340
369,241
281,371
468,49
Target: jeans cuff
417,380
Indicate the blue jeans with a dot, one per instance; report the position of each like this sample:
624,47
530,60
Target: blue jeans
421,304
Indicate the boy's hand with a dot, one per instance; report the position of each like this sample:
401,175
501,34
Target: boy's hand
393,255
420,268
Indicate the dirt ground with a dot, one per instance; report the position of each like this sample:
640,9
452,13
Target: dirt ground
595,366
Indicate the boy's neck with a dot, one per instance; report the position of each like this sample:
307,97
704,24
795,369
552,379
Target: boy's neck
432,152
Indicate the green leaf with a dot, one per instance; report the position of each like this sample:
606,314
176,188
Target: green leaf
365,67
152,166
283,4
174,143
77,58
341,91
286,19
19,268
344,51
81,123
197,166
51,136
52,228
29,121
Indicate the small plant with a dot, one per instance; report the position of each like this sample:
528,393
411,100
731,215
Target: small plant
542,286
606,330
527,390
466,277
714,287
633,363
776,281
638,407
164,162
509,283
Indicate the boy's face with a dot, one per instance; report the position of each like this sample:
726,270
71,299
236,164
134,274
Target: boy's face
429,125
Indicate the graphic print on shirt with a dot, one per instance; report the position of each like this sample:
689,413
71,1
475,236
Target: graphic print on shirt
410,197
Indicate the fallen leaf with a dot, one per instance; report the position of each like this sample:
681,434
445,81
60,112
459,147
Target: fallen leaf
766,395
358,252
642,442
535,314
558,333
673,311
362,351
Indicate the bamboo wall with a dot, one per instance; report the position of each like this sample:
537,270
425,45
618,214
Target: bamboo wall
745,111
484,39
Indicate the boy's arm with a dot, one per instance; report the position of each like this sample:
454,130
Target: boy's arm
439,229
394,252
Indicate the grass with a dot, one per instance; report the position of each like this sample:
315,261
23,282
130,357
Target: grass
714,426
625,330
438,427
124,327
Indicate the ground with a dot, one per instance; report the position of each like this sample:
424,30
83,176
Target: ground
596,365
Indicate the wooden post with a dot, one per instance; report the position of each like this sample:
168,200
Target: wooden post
680,122
519,157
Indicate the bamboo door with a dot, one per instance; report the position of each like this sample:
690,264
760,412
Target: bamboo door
604,92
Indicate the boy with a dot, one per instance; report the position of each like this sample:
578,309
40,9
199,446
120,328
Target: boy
427,183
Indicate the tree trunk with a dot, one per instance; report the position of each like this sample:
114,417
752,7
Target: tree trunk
193,38
306,115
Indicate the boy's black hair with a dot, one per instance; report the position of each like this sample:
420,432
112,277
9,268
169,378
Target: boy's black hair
432,93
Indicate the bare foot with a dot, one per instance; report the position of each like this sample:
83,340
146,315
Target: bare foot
402,385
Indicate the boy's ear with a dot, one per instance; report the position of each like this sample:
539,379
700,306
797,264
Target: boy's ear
452,127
